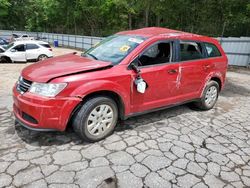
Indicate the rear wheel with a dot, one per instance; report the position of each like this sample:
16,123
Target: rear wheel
209,96
96,119
42,57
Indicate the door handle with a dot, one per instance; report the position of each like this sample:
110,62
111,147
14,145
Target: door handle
172,71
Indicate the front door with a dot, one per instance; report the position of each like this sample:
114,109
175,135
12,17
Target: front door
17,53
161,75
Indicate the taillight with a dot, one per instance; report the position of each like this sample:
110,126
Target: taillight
50,49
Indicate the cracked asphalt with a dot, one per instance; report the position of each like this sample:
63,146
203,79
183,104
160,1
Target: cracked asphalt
177,147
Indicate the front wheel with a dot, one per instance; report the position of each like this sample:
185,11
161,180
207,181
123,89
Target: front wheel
5,60
209,96
96,119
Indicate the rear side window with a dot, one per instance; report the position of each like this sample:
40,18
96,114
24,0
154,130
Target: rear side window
212,50
190,51
45,45
31,46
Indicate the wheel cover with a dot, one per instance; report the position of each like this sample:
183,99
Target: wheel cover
211,95
42,57
100,120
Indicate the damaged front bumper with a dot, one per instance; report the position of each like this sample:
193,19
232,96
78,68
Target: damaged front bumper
42,113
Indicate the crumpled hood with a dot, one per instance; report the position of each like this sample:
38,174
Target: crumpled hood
59,66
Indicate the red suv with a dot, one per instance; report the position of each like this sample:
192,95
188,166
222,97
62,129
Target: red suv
127,74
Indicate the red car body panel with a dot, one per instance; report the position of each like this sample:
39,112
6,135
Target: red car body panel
66,64
86,76
51,114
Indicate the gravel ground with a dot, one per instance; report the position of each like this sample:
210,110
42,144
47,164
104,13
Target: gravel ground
178,147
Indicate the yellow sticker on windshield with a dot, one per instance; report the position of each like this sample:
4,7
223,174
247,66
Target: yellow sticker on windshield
124,48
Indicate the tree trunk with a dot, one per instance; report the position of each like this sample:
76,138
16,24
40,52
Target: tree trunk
129,21
147,15
223,28
158,19
75,25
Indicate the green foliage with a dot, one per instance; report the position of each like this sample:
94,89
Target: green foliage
104,17
4,4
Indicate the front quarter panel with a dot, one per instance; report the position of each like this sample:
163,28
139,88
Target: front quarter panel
81,85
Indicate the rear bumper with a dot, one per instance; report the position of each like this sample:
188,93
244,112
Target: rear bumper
42,113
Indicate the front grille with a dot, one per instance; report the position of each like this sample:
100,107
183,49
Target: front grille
23,85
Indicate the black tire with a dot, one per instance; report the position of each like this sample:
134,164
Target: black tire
80,119
42,57
5,60
202,104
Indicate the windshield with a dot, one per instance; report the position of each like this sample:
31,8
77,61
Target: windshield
8,46
114,48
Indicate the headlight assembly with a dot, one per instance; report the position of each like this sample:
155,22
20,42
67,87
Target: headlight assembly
47,89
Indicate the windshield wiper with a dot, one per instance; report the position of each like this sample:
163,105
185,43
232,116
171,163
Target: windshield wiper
92,56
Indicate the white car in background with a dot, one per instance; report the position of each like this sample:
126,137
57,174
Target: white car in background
2,49
16,37
23,51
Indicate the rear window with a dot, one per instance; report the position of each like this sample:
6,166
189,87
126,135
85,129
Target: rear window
212,50
45,45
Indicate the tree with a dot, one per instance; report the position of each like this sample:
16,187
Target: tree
104,17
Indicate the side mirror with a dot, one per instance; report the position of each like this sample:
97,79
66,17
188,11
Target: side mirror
134,66
13,50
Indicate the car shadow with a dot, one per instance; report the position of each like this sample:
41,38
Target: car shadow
36,138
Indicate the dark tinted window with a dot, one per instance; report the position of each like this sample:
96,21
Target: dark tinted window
31,46
156,54
45,45
15,35
2,42
190,51
212,50
19,48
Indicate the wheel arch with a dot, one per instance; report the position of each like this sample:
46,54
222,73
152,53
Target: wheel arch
111,94
217,77
218,80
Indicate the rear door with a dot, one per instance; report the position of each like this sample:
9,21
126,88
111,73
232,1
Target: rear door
193,68
161,75
32,51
